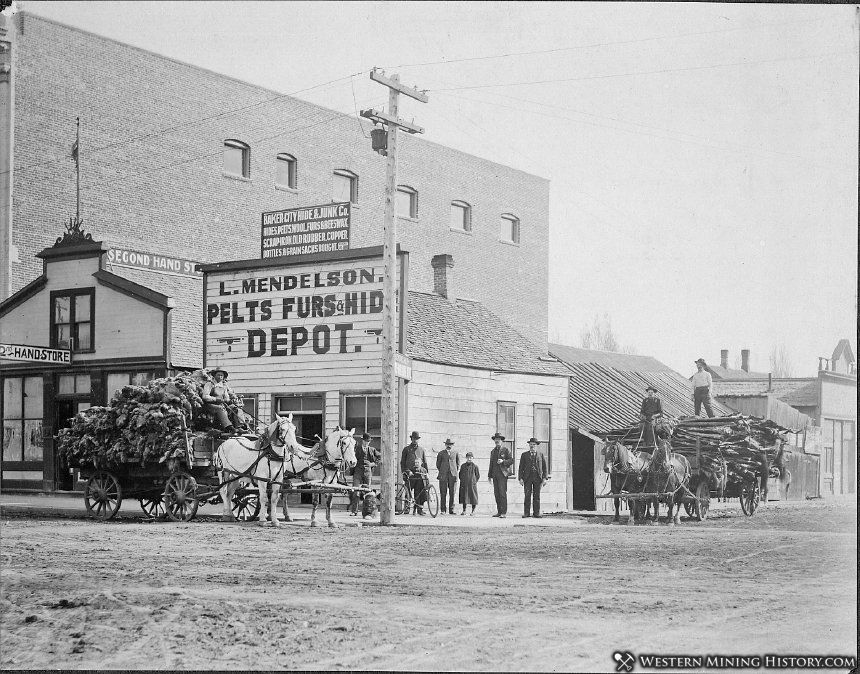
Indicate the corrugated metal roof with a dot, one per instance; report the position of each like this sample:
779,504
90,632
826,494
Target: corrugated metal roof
467,334
603,398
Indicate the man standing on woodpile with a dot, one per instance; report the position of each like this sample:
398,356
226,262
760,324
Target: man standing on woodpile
702,388
651,409
366,457
532,476
216,397
413,465
448,465
500,466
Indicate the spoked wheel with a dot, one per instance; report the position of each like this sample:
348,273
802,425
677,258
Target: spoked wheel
153,505
432,502
246,505
749,498
402,500
703,501
180,497
103,495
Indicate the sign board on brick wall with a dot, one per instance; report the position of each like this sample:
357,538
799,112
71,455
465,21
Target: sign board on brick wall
35,354
134,259
304,231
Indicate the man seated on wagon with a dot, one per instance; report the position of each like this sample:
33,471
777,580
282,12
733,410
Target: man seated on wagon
218,399
651,410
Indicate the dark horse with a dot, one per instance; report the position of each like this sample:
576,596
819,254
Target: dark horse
625,472
668,475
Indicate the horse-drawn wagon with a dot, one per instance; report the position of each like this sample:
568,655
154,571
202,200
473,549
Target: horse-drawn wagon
695,460
152,444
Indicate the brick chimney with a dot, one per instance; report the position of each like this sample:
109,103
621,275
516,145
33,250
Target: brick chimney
745,360
443,277
724,359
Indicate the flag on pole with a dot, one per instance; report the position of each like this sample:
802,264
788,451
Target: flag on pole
73,155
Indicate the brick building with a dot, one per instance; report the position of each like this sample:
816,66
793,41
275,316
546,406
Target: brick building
180,161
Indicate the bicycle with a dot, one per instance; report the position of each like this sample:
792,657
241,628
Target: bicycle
404,503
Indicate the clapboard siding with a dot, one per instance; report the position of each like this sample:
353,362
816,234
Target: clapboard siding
460,403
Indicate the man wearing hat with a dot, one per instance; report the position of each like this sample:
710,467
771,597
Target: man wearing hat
702,388
500,467
217,400
366,457
413,465
532,475
448,465
651,409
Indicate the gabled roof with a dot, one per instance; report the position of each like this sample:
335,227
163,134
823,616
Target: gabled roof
843,348
797,392
467,334
603,397
186,337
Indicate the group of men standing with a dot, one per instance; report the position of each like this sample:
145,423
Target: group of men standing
532,475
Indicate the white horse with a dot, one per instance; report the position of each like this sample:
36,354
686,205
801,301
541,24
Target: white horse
318,464
239,459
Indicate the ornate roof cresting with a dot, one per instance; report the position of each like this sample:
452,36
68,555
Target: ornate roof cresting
74,235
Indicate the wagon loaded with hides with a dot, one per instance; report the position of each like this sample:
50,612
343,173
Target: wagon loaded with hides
730,456
155,444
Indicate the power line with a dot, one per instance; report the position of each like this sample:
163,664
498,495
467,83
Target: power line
161,132
643,72
604,44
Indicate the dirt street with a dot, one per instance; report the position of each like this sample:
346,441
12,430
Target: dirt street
205,595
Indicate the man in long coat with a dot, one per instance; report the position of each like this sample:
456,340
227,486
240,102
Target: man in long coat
500,466
532,475
650,411
448,465
366,457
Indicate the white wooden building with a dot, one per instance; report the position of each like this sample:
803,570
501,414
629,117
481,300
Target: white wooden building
303,335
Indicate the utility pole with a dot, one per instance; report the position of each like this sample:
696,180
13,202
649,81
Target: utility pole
389,379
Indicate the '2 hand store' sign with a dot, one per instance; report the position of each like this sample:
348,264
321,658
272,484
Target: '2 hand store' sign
294,314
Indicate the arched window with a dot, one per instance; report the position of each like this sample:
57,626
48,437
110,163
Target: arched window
461,216
237,158
510,229
407,202
345,186
285,170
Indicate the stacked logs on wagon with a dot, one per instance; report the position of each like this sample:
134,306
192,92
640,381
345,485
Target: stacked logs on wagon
737,439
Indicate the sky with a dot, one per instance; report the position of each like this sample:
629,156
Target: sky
703,158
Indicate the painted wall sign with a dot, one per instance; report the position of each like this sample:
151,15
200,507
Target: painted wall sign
134,259
303,231
306,312
35,354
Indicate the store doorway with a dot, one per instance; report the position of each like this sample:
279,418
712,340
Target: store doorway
64,411
307,414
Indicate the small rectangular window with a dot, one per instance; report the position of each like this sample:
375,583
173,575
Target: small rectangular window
285,171
345,187
72,319
510,230
461,216
237,158
543,431
407,202
506,423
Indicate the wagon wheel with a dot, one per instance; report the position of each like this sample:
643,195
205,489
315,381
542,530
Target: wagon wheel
180,497
245,506
432,500
749,498
153,505
703,501
103,495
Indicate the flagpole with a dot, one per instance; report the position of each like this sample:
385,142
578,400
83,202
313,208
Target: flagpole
78,169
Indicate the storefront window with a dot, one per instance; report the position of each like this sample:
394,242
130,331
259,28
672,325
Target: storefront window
364,414
22,419
116,380
71,384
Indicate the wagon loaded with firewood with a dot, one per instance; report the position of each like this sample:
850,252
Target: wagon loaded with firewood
153,444
730,456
